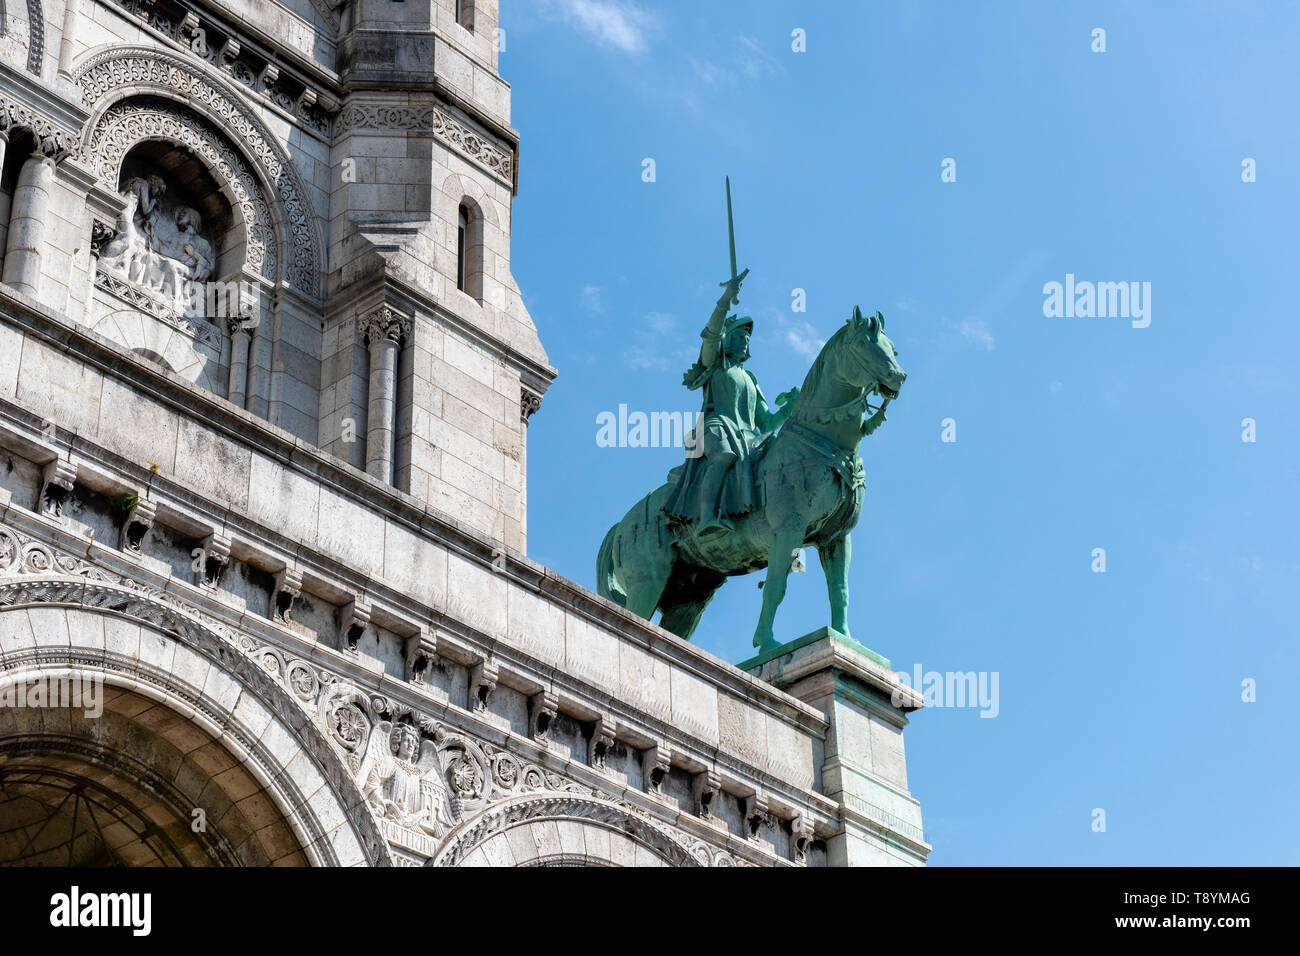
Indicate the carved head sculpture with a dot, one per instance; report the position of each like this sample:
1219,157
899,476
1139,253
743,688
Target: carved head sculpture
735,338
874,360
187,219
404,741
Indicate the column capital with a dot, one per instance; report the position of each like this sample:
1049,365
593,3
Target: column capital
385,323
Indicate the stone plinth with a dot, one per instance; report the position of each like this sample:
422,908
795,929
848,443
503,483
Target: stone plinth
864,770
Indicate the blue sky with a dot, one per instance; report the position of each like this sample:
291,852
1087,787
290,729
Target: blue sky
1120,690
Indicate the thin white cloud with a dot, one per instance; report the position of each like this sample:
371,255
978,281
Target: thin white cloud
756,62
976,331
616,24
643,357
591,300
710,73
803,338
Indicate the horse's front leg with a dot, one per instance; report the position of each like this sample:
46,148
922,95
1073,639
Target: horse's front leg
835,563
785,541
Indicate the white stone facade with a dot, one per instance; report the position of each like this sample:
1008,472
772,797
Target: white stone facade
265,379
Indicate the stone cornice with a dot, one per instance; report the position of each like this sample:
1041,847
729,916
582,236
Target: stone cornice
63,113
45,562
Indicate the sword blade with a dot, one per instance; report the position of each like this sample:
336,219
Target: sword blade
731,234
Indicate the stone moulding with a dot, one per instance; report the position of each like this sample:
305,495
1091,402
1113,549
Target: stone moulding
36,36
111,75
138,298
52,138
620,818
429,120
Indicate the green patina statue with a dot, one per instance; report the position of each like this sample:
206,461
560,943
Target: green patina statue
768,482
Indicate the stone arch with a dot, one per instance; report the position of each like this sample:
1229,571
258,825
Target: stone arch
457,189
110,75
194,677
561,829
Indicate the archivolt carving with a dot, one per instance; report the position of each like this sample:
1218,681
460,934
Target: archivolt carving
36,43
141,605
622,818
126,124
136,70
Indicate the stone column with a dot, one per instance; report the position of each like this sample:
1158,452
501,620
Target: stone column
384,330
68,42
529,403
27,224
863,769
239,339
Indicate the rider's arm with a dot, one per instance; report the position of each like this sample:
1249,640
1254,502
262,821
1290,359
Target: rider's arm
711,346
766,419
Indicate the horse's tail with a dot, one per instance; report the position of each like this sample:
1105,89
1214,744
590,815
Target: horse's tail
607,583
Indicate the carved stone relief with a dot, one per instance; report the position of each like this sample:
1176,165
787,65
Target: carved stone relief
159,245
127,124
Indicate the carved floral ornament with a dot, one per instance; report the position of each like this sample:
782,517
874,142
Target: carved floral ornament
432,787
135,71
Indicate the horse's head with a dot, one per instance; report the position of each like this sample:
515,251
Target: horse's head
873,361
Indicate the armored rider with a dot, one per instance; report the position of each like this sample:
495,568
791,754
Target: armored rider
718,479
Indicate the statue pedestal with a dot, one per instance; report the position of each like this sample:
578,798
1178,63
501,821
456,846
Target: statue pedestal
863,769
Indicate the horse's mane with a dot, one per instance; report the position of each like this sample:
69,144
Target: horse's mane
817,372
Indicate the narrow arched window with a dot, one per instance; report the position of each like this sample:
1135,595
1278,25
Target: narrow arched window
465,13
462,250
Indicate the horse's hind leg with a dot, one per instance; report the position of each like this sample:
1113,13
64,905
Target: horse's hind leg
645,578
688,593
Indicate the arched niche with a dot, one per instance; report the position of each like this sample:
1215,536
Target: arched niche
199,169
111,76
